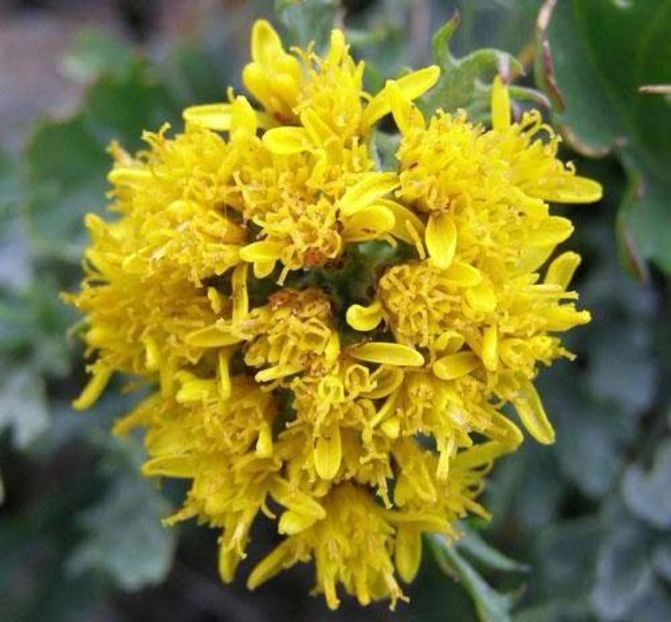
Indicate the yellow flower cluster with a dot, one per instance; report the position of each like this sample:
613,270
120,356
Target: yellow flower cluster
354,402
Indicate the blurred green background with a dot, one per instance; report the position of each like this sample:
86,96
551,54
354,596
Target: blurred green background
581,530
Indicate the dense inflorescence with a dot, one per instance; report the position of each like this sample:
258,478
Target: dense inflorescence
332,345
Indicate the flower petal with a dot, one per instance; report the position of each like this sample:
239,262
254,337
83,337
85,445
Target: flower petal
387,353
264,442
266,43
550,231
500,105
212,116
292,522
530,410
287,140
262,251
328,454
408,552
93,389
271,564
371,187
463,274
490,348
481,297
224,373
214,336
368,224
406,114
411,85
441,240
239,293
364,318
574,189
562,269
455,365
403,217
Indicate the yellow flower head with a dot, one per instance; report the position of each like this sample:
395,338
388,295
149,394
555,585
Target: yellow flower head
332,345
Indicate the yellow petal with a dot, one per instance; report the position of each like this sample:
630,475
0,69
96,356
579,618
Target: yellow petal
278,371
449,341
318,131
243,119
264,442
562,269
291,522
368,189
408,552
411,85
262,269
127,176
574,189
194,390
551,231
290,497
480,455
481,298
387,380
500,105
223,361
403,217
463,274
263,251
405,113
171,466
93,390
441,240
152,354
505,431
239,293
391,427
530,410
364,318
490,348
368,224
416,83
212,116
266,43
388,353
287,140
533,257
228,563
215,336
328,454
270,565
455,365
332,348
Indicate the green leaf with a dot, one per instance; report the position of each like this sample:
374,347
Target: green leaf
121,106
472,545
95,52
648,495
465,82
125,538
661,560
623,573
594,57
67,161
22,405
308,20
555,610
491,605
15,264
565,555
66,177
